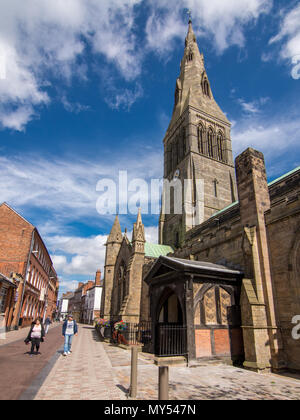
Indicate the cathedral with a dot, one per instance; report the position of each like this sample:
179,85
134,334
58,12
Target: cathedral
226,270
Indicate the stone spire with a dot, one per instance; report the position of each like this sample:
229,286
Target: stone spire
138,234
116,232
192,86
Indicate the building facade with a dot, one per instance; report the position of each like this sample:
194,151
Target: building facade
228,273
92,301
23,255
63,305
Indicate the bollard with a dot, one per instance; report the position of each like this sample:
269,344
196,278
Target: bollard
133,378
163,383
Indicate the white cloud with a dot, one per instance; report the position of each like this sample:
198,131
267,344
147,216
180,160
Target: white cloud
42,37
290,34
275,137
66,187
41,40
253,107
221,20
73,255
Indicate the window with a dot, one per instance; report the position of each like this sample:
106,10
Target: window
3,295
200,139
205,88
210,137
216,187
220,146
190,55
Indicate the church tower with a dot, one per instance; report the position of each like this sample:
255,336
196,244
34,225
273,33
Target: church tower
197,151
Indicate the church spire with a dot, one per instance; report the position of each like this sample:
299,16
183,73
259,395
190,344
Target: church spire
138,234
116,232
192,86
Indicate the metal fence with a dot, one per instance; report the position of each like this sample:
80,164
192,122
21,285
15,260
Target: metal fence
171,340
164,339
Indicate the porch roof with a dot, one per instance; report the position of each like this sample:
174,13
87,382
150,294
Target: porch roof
203,268
6,280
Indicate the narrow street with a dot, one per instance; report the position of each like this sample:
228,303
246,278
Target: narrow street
20,371
100,371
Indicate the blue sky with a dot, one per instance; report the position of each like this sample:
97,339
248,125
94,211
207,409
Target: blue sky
87,89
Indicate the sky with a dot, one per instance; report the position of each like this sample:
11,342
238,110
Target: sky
87,90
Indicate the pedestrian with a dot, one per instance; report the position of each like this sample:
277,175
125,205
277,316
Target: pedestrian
48,322
35,336
69,329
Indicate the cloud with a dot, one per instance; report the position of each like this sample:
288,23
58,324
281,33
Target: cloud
72,255
275,137
289,34
253,107
44,42
64,188
221,21
41,38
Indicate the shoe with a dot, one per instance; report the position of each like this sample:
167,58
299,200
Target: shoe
68,352
65,354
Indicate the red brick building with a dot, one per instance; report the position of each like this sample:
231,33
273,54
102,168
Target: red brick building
23,251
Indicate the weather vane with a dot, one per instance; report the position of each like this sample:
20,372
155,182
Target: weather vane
190,15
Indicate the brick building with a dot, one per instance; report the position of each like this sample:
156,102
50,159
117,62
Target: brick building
77,301
92,301
227,275
23,252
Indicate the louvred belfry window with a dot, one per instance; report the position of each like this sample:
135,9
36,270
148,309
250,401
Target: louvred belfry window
220,146
200,138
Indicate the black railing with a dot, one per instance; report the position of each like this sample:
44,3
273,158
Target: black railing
171,340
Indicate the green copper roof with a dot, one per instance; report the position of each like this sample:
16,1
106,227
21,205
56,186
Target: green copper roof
156,250
283,176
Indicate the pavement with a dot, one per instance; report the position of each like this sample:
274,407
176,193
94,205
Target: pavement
100,371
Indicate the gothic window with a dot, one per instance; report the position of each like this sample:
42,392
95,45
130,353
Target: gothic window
210,138
169,159
220,146
190,56
174,155
216,187
121,285
200,138
176,96
205,88
184,143
180,149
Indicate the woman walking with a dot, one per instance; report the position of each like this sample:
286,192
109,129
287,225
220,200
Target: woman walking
36,336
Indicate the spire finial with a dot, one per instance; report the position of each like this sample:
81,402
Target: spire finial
190,16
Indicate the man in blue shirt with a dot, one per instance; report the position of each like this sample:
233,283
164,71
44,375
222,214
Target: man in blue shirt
69,329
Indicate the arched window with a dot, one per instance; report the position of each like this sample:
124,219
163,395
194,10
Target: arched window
201,139
169,159
190,55
206,88
184,142
210,138
220,146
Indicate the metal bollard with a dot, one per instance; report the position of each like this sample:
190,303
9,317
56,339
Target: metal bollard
133,377
163,383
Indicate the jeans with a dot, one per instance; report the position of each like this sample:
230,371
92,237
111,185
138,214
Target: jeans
68,342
